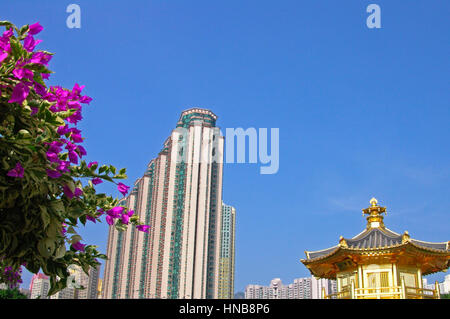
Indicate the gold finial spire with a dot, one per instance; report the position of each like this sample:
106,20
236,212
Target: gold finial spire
375,218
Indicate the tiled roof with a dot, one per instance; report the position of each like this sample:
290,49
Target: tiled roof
374,238
377,238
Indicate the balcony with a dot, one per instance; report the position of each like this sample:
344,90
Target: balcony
393,292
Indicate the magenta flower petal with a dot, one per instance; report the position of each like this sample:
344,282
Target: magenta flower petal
73,157
78,246
97,181
130,213
143,228
92,163
85,99
78,192
92,219
63,130
68,192
81,150
125,218
35,28
21,73
77,138
3,56
115,212
123,188
109,220
16,171
29,43
52,157
19,94
53,174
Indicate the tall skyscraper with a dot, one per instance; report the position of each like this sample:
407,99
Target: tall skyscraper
180,197
226,260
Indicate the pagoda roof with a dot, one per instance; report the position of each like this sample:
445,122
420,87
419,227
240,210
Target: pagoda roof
374,239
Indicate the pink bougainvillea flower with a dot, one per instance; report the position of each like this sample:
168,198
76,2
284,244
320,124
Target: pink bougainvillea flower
21,73
35,28
81,150
123,188
77,138
78,246
75,117
78,192
115,212
77,89
109,220
30,43
8,33
40,58
125,218
45,76
40,89
52,157
16,171
92,163
55,146
130,213
85,99
92,219
68,192
53,174
19,94
3,56
143,228
97,181
64,166
73,157
63,130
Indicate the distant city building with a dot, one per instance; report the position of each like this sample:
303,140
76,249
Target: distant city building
89,282
80,279
226,260
301,288
180,197
39,286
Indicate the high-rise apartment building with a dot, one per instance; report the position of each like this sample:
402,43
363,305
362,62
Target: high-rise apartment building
80,279
301,288
226,259
39,286
180,197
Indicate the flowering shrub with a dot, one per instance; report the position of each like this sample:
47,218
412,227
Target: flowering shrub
46,188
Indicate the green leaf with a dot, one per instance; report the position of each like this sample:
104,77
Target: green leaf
45,216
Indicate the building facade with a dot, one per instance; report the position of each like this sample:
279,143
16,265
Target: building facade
227,253
180,197
301,288
39,286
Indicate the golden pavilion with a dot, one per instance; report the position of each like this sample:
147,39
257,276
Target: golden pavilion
379,263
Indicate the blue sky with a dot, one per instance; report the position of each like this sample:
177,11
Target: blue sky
361,112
